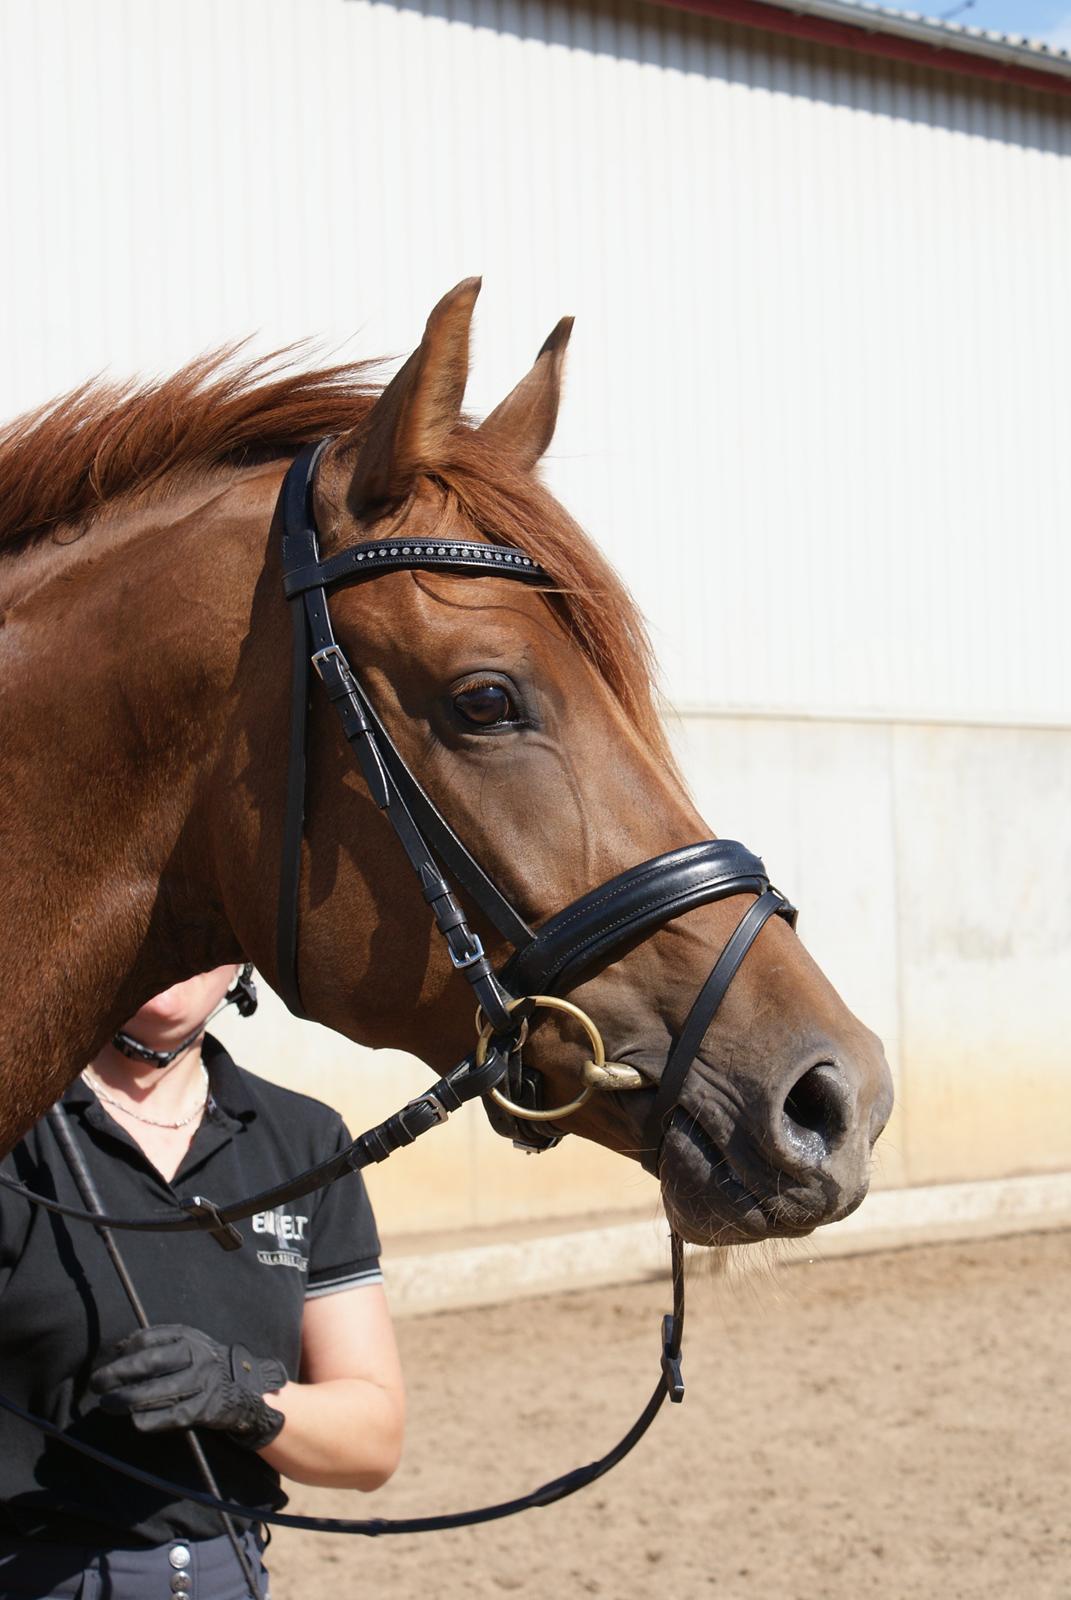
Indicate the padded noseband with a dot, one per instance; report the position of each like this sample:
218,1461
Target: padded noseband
628,907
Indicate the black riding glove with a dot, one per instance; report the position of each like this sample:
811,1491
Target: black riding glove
177,1377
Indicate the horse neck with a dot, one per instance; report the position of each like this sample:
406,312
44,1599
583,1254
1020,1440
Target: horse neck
116,660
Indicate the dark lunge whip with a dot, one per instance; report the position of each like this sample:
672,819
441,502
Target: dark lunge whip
91,1199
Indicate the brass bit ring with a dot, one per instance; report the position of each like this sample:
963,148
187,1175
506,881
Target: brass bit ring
598,1073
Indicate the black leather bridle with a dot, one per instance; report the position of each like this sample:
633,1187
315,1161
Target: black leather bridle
593,930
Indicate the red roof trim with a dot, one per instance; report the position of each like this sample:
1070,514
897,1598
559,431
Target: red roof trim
869,41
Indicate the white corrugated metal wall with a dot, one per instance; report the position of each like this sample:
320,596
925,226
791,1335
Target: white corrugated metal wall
817,410
822,307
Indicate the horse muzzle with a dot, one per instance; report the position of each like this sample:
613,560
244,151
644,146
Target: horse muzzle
777,1159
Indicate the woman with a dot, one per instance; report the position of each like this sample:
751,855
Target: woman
281,1354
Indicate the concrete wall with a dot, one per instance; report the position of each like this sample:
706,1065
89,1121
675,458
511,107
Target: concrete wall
930,863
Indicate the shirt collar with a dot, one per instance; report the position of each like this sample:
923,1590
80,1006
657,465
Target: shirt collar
231,1099
78,1094
230,1108
227,1086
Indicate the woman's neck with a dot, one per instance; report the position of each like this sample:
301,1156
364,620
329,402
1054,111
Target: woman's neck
160,1109
165,1093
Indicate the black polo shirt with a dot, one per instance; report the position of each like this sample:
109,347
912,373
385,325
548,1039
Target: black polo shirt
61,1302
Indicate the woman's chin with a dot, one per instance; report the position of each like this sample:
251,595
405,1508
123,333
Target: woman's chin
169,1009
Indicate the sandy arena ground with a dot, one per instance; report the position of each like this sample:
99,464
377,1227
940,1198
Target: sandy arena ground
895,1425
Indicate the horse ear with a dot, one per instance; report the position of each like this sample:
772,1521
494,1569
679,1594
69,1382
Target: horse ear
524,422
405,432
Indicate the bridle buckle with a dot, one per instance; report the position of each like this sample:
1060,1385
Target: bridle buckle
425,1102
330,653
470,960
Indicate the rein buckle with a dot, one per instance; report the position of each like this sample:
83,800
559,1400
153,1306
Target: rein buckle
425,1102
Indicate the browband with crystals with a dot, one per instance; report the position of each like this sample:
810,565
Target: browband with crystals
470,556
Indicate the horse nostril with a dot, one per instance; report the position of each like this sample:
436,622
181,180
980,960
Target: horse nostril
816,1112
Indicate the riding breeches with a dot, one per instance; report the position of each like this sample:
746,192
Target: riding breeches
195,1569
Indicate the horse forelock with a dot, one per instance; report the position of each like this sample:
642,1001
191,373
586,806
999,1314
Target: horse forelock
105,443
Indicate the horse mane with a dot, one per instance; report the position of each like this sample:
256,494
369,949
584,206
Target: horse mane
72,458
66,463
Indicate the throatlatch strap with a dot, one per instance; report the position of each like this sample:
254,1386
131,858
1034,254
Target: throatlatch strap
298,545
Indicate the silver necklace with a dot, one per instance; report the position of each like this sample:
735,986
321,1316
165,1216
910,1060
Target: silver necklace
154,1122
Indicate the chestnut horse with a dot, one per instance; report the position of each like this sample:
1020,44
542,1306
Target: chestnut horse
144,695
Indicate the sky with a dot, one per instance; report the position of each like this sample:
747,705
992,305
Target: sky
1048,21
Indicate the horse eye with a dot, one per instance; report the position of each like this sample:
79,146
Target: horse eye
486,705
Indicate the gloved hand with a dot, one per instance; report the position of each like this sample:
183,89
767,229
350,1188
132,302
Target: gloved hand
172,1376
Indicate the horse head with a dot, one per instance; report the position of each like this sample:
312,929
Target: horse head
526,712
146,638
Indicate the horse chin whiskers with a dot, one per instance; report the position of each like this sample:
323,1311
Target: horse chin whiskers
711,1200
